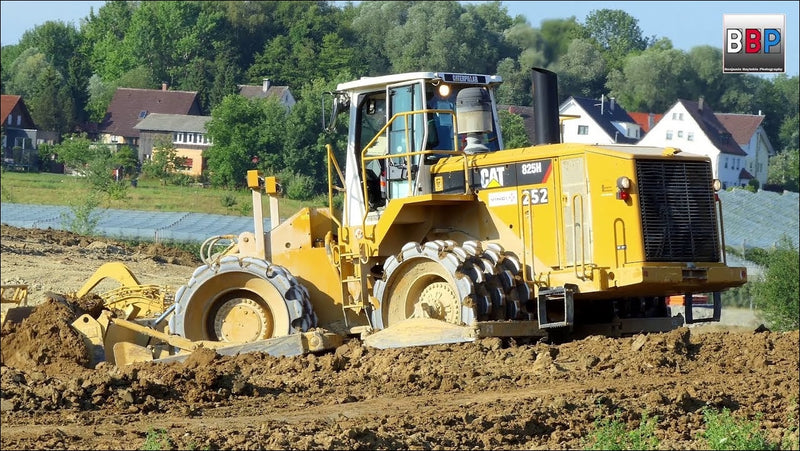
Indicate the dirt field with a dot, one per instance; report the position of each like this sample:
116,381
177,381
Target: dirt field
491,394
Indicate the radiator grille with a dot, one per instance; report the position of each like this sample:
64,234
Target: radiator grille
679,219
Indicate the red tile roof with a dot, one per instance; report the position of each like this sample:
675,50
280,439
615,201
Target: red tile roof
720,136
7,104
128,105
643,119
741,126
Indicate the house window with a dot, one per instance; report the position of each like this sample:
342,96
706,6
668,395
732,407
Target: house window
680,116
674,115
669,134
726,162
10,119
19,119
583,129
690,136
4,141
680,133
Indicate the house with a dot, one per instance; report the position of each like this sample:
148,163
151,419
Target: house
645,120
597,122
130,105
693,127
749,134
186,132
19,133
267,89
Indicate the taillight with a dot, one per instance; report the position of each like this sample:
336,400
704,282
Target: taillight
623,188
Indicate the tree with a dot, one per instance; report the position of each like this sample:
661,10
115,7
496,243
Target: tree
651,80
784,170
581,71
247,134
617,33
43,89
164,162
513,130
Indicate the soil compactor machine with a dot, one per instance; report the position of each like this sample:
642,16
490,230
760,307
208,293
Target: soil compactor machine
445,235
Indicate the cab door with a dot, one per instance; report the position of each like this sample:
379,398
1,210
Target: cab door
406,134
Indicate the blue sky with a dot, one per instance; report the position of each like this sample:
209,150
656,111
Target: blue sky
686,24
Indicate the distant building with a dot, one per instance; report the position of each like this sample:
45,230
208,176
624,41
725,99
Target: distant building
693,127
267,89
748,132
129,106
600,121
186,132
19,132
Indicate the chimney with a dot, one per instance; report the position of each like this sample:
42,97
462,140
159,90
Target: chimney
700,104
163,86
265,87
759,113
612,104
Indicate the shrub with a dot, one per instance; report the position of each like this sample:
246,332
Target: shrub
611,434
724,432
157,439
83,220
777,293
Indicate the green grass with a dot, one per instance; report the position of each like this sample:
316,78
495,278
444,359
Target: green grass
149,195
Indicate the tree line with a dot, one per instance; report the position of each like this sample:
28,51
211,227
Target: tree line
68,74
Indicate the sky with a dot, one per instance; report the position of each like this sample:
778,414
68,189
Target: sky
686,23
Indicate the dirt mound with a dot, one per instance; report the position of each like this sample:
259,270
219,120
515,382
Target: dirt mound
490,394
45,340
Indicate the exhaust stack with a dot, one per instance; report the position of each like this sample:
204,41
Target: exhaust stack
545,107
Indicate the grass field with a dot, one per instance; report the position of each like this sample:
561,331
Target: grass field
149,195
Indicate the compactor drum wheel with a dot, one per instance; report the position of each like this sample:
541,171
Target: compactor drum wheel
241,300
455,284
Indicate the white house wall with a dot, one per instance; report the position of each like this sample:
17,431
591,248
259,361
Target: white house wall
596,135
758,156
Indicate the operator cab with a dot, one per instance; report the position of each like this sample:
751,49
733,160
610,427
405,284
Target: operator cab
397,123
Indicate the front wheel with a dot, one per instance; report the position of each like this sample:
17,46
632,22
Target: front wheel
241,300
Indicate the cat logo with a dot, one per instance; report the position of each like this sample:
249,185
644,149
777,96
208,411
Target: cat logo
492,177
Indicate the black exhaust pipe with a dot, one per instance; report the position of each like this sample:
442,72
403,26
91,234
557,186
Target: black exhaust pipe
545,107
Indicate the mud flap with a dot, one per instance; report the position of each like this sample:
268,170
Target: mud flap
689,306
556,307
420,332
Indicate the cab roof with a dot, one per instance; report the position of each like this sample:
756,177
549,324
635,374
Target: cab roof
449,77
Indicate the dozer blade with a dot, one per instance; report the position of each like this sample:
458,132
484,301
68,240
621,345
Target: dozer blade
16,294
126,353
420,332
286,346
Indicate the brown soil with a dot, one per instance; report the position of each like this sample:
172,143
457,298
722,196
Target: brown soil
491,394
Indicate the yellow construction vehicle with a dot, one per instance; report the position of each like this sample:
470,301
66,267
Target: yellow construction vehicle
446,235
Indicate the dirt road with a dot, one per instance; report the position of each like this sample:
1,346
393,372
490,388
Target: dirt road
491,394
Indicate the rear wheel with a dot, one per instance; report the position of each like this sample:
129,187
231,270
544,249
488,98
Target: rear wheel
241,300
424,281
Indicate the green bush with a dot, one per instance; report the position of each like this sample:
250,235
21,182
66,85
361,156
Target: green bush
724,432
299,187
777,293
611,434
157,439
83,220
